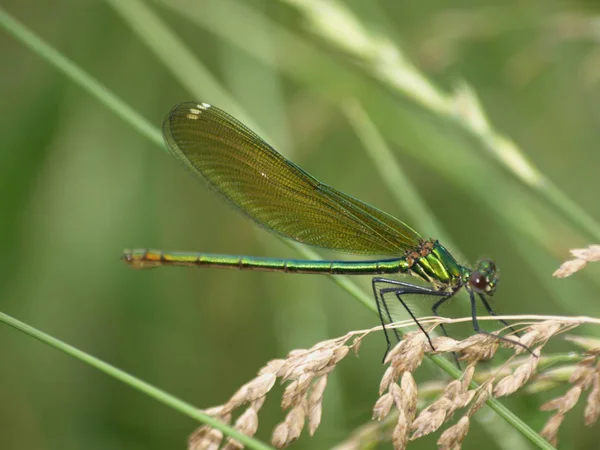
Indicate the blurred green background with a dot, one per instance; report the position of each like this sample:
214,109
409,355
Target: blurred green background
79,184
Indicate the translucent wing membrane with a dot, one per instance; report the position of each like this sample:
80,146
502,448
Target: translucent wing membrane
274,192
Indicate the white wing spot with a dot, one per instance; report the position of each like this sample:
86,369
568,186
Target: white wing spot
193,115
203,106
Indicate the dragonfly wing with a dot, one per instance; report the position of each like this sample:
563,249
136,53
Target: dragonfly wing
274,192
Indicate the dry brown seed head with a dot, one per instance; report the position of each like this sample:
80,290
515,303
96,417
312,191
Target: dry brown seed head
474,340
453,437
397,395
550,430
483,352
512,383
232,444
279,439
295,353
465,398
289,397
314,405
569,268
383,406
553,405
398,348
304,381
529,338
451,399
205,438
467,376
296,391
505,386
563,403
590,254
427,423
477,347
287,370
356,344
307,362
340,353
247,423
410,393
317,389
524,372
410,356
571,398
388,377
583,373
318,359
441,404
481,396
252,390
400,433
314,418
272,366
258,403
214,411
443,344
592,407
453,389
295,422
547,329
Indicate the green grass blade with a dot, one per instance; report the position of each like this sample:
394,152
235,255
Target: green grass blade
139,385
79,76
58,60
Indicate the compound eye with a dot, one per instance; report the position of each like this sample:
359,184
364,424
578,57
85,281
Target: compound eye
478,281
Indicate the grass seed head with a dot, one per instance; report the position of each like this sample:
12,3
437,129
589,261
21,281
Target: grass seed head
205,438
427,423
550,430
383,406
400,433
453,437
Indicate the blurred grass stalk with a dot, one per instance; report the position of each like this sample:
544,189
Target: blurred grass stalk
339,28
448,152
136,383
379,57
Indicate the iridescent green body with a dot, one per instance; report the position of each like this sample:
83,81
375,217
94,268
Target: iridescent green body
431,262
278,195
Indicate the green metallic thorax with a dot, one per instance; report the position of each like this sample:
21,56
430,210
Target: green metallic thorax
434,264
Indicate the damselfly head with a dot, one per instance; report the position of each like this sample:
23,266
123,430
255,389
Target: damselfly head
484,278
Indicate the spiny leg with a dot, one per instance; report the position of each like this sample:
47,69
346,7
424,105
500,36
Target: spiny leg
434,310
493,313
479,330
399,293
435,307
406,288
377,295
409,288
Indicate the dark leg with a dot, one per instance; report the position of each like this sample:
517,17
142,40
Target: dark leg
398,296
387,311
434,309
401,288
492,313
382,293
479,330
